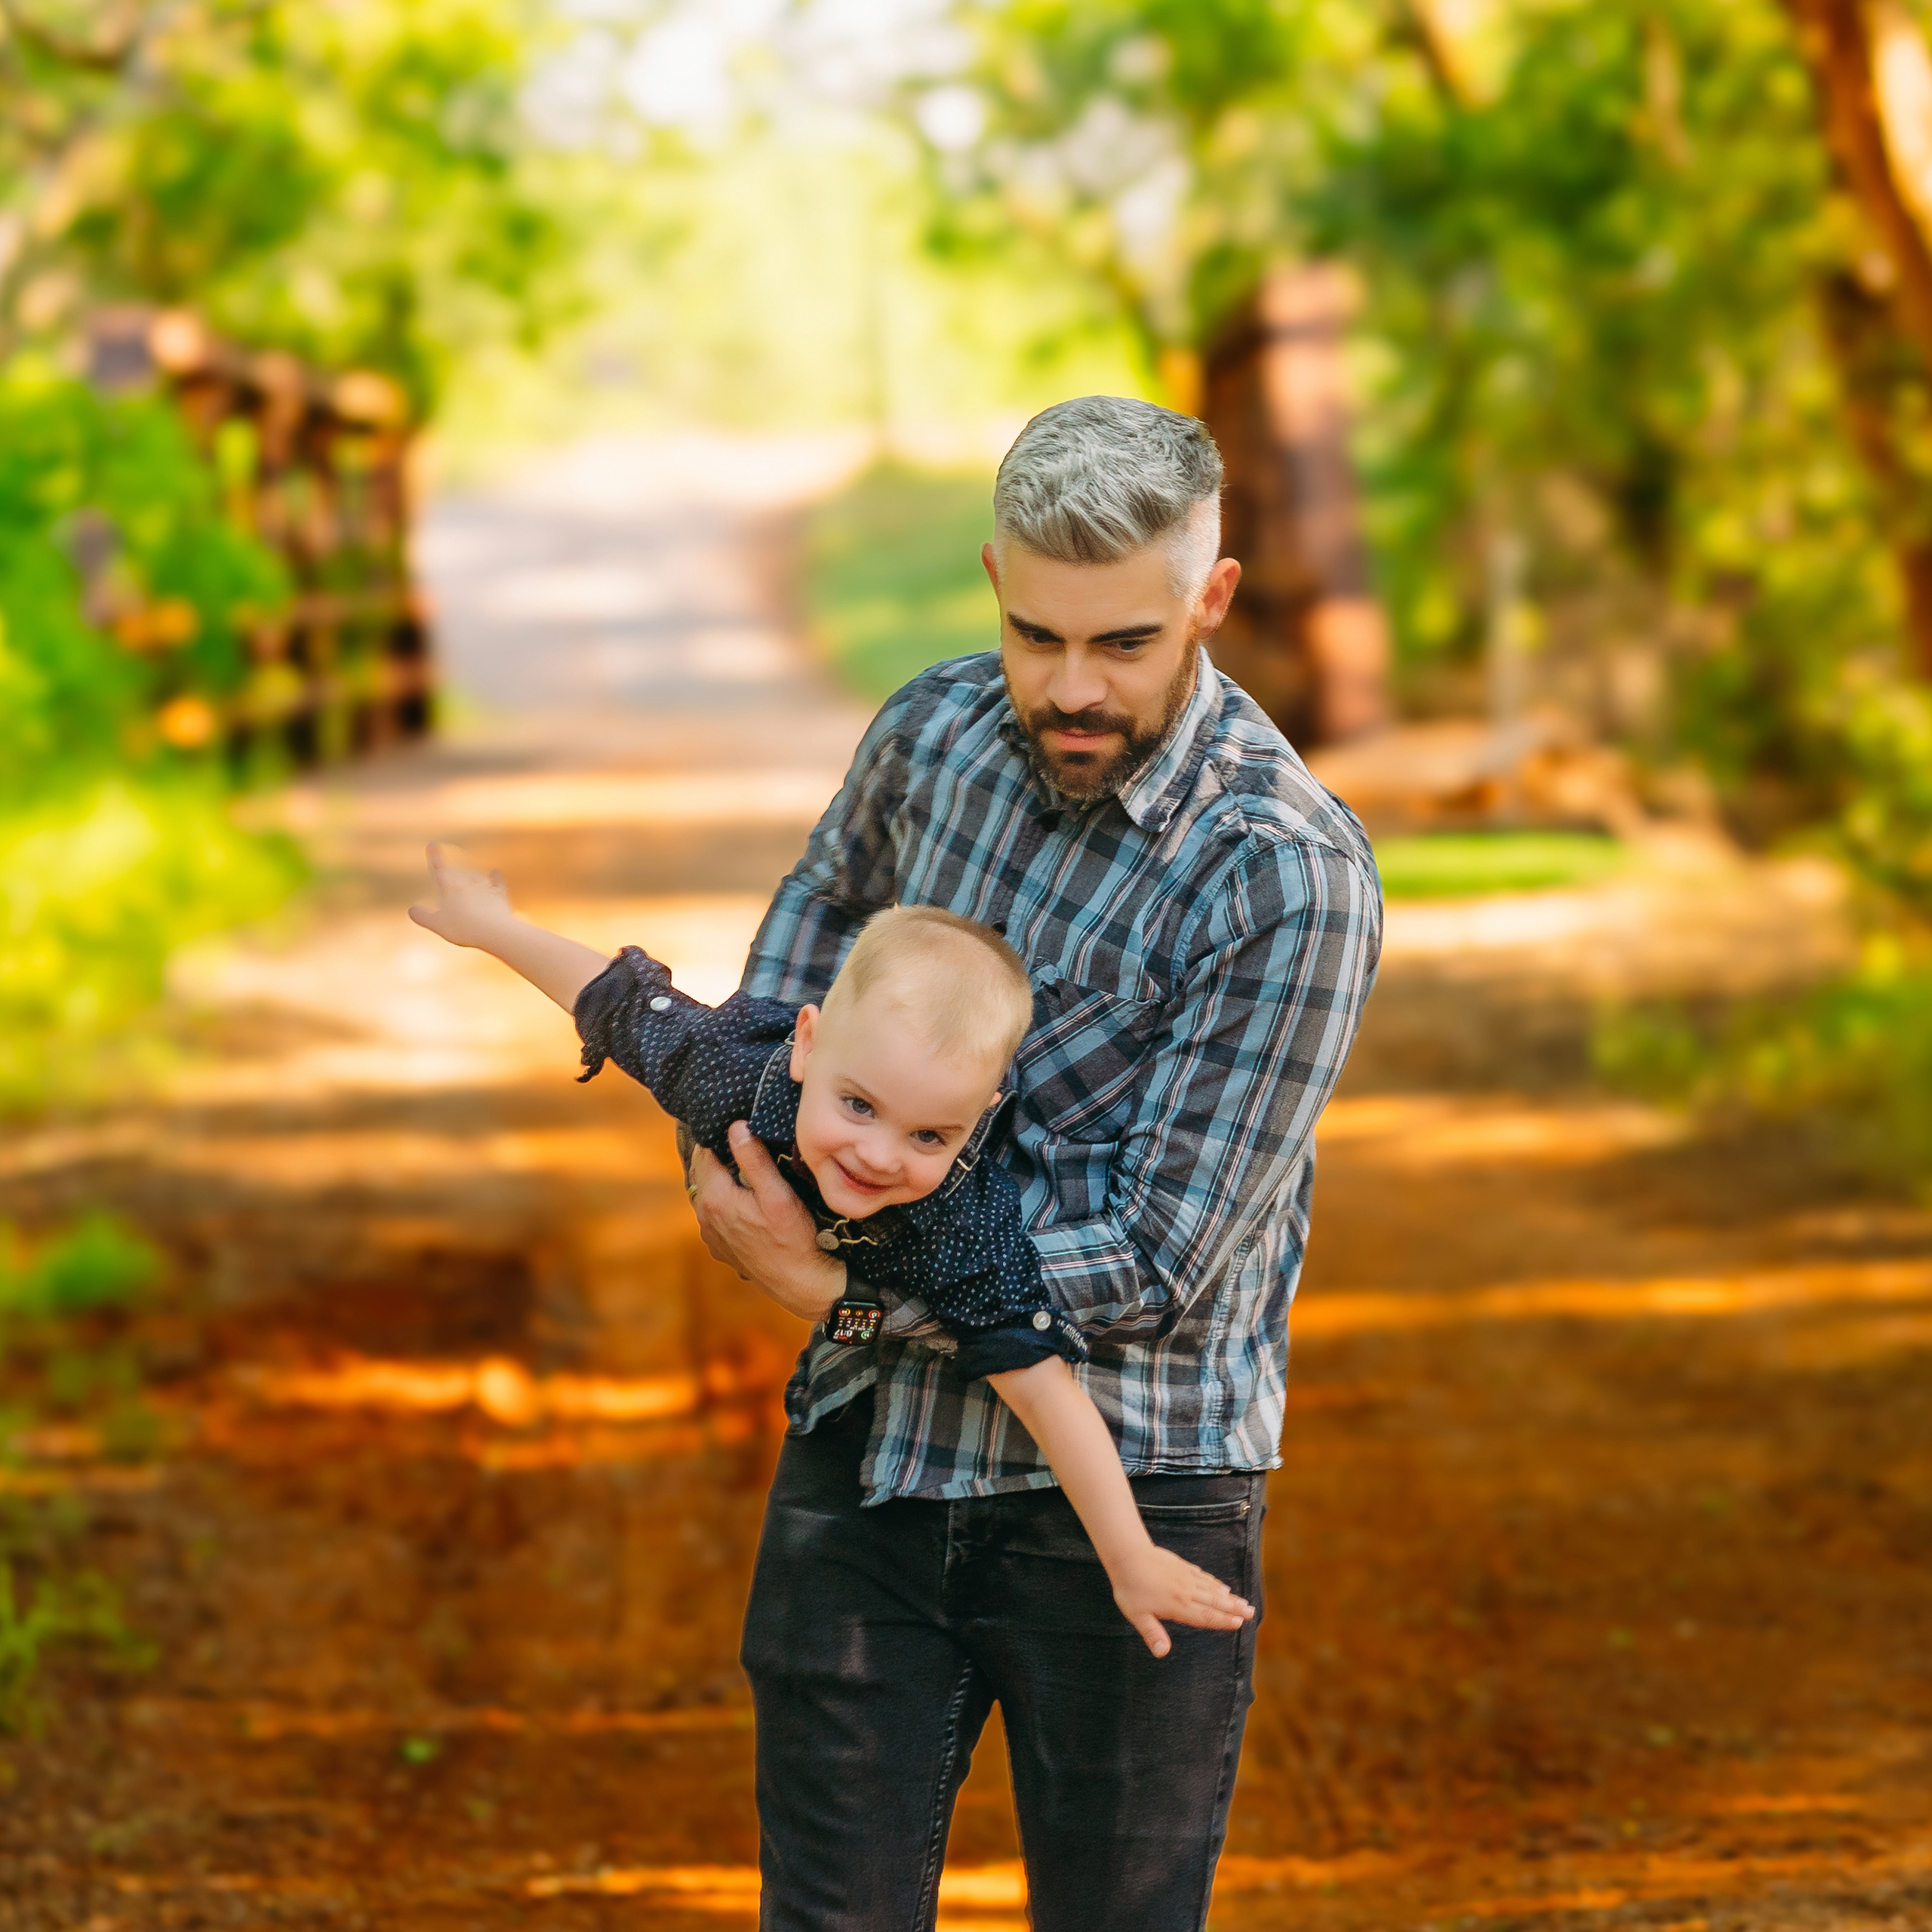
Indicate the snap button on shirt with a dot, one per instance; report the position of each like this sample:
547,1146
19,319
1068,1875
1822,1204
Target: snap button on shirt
1041,1319
660,1005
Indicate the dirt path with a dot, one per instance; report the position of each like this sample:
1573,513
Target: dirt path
1600,1570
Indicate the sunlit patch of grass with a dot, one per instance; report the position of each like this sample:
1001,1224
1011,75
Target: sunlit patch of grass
64,1354
893,578
98,887
1462,865
1850,1061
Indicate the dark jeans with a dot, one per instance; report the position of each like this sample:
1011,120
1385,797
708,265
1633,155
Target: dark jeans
877,1640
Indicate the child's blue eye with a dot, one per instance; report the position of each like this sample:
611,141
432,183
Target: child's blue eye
863,1107
926,1138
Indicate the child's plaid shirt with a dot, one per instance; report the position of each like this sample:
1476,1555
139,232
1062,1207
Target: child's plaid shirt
1201,948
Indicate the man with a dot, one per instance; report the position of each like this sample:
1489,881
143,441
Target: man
1201,923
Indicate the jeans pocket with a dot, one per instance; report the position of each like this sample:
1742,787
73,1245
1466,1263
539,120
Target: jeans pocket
1214,1522
1196,1515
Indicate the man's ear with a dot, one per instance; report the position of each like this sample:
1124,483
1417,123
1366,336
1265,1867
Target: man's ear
803,1035
990,562
1216,594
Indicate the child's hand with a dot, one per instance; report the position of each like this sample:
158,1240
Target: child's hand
1159,1583
471,908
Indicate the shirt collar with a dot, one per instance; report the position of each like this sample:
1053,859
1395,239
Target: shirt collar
1153,792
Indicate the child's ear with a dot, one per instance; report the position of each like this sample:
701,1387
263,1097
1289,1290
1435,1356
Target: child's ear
802,1037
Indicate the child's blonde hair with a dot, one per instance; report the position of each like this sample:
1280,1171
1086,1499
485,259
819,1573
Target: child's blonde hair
958,980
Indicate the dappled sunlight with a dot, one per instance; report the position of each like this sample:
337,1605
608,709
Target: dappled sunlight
735,1889
507,1392
379,1157
1421,1132
1795,1290
266,1723
1736,926
641,802
423,1014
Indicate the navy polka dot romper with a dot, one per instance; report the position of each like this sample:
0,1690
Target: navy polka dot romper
961,1250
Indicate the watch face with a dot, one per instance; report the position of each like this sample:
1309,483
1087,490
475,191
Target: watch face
854,1323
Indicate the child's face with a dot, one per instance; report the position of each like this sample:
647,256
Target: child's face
881,1119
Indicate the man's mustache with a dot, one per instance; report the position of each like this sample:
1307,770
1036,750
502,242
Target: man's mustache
1050,718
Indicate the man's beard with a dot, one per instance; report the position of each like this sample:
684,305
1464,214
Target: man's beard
1100,774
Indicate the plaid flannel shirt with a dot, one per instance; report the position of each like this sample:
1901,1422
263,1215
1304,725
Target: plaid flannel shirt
1201,948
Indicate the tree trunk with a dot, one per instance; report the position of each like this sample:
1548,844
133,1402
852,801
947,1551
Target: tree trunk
1837,41
1305,638
1887,305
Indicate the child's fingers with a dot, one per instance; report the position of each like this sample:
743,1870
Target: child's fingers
1153,1633
1204,1617
1208,1604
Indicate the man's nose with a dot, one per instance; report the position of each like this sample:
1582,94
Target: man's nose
1079,683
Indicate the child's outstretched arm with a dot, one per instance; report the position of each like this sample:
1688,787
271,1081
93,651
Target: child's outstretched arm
1149,1582
473,908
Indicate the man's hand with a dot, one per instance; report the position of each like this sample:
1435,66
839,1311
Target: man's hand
472,908
760,1228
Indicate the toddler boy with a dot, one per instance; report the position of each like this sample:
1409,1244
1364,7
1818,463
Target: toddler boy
876,1107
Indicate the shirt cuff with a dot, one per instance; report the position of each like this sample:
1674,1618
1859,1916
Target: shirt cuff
1016,1345
608,1003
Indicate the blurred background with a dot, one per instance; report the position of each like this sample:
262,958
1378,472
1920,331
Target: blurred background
553,426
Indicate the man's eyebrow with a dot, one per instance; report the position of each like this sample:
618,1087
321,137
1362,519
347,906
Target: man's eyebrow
1027,628
1126,634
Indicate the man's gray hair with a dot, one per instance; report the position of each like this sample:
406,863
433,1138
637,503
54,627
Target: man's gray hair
1100,478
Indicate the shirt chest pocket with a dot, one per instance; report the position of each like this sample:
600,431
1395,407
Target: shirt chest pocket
1081,1066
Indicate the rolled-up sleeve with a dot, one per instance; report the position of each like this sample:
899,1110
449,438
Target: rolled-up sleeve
702,1064
1282,959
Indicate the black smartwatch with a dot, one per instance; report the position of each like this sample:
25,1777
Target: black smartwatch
854,1320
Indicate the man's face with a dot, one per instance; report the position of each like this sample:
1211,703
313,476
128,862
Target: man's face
1100,658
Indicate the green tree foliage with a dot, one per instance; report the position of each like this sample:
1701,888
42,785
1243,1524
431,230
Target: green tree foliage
115,488
346,181
1155,145
1605,269
114,848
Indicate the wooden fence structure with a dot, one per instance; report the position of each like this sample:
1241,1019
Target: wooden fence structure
315,466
